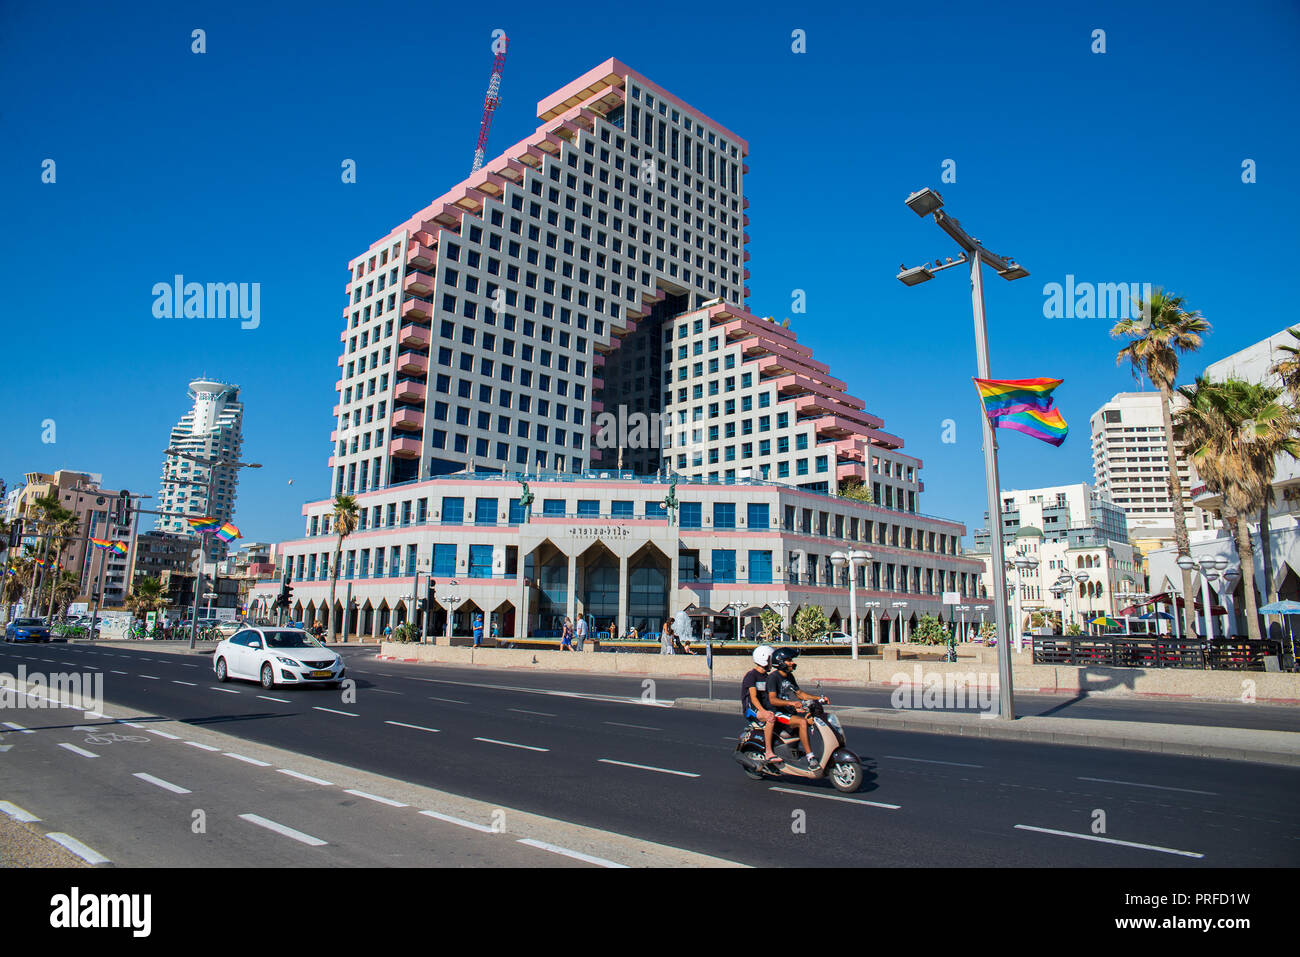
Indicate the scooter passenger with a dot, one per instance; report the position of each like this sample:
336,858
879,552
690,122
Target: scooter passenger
789,703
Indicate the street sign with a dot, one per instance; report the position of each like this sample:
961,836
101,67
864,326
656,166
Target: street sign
952,598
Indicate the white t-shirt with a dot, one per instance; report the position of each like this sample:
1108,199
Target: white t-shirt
582,628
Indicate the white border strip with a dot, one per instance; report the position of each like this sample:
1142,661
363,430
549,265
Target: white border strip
165,785
646,767
1109,840
576,855
76,847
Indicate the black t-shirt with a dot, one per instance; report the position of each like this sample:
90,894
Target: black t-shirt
784,686
758,681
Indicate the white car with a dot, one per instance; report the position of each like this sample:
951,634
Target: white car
277,656
839,638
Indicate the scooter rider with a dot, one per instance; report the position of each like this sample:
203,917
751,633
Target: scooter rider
786,699
753,698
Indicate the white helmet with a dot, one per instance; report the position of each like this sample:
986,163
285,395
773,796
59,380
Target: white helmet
762,655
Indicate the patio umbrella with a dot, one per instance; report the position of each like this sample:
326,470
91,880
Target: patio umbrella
1105,622
1284,609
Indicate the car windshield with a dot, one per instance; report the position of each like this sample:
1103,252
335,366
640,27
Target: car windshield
290,639
28,622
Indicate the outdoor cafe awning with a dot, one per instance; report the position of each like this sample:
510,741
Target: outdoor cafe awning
1164,598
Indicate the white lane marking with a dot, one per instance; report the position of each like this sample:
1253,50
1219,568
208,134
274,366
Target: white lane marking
349,714
1161,787
955,764
449,700
151,677
165,785
306,777
555,849
646,767
375,797
76,750
240,757
17,813
267,697
164,734
117,672
19,727
526,747
1109,840
459,821
589,696
132,724
382,691
76,847
201,747
226,690
189,666
282,829
190,684
836,797
402,724
97,714
543,714
643,727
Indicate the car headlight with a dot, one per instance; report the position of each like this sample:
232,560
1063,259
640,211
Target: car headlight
288,661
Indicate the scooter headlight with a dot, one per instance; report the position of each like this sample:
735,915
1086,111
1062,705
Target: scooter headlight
834,722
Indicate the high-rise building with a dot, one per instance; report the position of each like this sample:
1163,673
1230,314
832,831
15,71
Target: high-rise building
571,315
1130,461
213,428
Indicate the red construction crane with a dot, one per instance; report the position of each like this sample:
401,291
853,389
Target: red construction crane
490,102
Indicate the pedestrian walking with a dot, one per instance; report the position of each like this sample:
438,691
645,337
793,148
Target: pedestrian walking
666,639
566,636
581,631
478,629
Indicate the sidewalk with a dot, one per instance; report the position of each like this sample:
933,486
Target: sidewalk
1231,744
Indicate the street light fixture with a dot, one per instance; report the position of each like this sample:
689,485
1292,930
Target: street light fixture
852,561
1022,563
898,616
927,202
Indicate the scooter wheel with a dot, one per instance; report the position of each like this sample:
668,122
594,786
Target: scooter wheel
846,776
750,773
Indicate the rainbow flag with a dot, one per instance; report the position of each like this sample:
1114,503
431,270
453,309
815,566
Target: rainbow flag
1024,405
228,532
101,543
1049,426
1008,396
118,547
203,525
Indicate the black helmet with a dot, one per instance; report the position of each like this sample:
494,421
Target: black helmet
783,656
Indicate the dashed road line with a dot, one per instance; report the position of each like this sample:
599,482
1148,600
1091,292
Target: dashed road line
644,727
543,714
508,744
375,797
576,855
1109,840
283,829
267,697
459,821
76,750
403,724
18,727
164,734
201,746
306,777
646,767
87,854
159,782
189,684
247,760
226,690
349,714
17,813
448,700
836,797
1159,787
955,764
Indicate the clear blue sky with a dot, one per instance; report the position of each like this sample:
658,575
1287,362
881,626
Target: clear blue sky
225,166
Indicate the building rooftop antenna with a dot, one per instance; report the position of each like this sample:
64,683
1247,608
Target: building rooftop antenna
492,100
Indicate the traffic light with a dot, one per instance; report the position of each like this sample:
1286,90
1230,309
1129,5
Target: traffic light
122,514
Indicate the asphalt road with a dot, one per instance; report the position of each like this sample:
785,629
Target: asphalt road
570,754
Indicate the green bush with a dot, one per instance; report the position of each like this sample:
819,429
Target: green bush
1073,629
405,633
772,624
810,624
929,631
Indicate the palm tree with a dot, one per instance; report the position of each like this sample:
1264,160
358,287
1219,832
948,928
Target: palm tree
345,523
1288,368
53,518
1154,345
65,530
146,596
1234,431
20,582
63,591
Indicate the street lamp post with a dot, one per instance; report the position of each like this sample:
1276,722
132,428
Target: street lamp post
782,605
1022,563
926,202
852,561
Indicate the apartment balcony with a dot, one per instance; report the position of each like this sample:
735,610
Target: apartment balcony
835,427
410,391
407,420
417,310
420,256
850,470
413,363
406,447
418,283
850,450
449,216
413,335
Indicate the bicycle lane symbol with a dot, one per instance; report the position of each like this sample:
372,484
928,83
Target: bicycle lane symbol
100,736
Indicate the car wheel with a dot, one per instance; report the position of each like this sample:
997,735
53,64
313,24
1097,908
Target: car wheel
268,676
222,676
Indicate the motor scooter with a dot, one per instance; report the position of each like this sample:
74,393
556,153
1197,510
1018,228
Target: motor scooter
825,735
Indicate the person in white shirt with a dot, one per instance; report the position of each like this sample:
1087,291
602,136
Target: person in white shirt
580,632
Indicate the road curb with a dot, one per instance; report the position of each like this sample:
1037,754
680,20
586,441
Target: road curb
1235,744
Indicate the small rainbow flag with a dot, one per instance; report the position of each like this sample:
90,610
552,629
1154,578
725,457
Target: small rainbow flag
1007,396
202,525
119,547
228,532
107,545
101,543
1024,405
